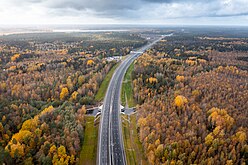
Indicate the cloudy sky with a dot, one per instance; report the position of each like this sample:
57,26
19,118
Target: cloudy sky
174,12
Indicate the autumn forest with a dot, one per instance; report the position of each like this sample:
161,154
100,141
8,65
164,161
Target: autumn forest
47,81
190,92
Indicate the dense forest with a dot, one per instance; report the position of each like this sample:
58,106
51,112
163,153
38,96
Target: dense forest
192,93
191,90
46,83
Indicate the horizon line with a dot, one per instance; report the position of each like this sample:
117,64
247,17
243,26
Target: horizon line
129,24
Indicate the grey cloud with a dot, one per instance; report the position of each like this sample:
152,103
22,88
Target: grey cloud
166,1
146,9
116,9
98,5
178,1
130,8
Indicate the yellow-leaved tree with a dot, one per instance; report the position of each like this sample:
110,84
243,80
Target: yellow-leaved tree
180,101
15,57
20,143
74,96
220,117
152,80
90,62
64,93
180,78
59,156
30,125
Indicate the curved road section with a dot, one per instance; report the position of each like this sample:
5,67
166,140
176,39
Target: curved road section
110,143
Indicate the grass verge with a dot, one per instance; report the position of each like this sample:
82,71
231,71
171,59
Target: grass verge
127,89
104,86
89,147
132,145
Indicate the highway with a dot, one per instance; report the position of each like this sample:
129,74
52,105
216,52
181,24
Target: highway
110,143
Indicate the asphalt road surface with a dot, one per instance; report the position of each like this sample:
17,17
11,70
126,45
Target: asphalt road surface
110,143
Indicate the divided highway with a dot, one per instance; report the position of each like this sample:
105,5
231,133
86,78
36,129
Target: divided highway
110,143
